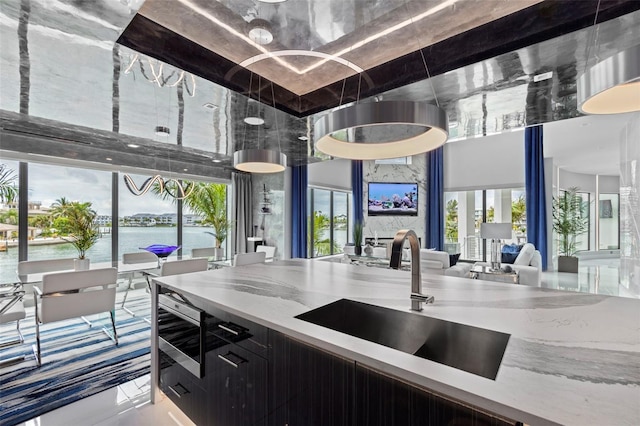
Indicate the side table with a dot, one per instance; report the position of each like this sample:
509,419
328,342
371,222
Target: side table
479,272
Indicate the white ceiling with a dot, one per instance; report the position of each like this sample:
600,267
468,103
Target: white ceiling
589,144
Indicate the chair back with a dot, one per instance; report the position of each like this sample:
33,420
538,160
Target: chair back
269,252
203,252
241,259
27,267
73,294
139,257
183,266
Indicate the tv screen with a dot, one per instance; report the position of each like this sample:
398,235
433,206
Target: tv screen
393,199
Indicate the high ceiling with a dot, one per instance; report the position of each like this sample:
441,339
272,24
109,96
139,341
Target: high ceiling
102,75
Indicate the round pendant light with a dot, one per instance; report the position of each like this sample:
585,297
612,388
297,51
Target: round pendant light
259,161
380,130
611,86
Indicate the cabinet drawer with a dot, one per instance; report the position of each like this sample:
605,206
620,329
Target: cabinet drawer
183,389
244,333
237,386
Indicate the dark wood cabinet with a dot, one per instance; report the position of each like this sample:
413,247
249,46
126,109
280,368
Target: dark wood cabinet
308,386
236,381
383,400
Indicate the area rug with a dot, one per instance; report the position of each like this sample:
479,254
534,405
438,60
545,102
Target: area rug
77,361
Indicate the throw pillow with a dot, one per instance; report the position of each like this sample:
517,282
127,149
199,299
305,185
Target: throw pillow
453,259
508,257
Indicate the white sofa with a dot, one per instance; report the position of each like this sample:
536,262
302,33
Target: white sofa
437,263
528,264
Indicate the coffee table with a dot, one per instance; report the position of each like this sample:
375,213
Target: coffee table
479,272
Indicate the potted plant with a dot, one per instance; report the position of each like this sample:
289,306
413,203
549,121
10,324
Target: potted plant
357,237
82,230
570,219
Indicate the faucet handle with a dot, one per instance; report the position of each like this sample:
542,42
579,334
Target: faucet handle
425,298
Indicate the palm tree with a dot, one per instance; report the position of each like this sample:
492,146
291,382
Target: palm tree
321,223
60,207
451,221
8,190
209,201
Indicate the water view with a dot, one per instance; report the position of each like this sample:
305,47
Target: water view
130,239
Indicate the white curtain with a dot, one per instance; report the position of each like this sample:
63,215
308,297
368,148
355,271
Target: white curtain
243,200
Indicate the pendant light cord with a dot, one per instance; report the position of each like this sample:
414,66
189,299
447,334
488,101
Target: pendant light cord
275,115
424,62
246,113
592,39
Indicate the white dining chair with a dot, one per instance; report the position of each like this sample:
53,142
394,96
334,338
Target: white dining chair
242,259
269,251
66,295
131,259
27,267
12,309
183,266
204,252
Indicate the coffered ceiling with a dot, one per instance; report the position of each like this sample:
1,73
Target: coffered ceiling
100,76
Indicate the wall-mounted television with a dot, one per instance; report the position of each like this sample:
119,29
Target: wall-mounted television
392,199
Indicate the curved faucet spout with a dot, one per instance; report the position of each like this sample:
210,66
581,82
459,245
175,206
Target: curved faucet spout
417,298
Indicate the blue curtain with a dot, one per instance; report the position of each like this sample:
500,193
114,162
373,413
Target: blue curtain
357,190
535,191
435,199
299,213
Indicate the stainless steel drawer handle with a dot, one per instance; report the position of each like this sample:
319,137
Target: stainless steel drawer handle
225,328
228,361
176,393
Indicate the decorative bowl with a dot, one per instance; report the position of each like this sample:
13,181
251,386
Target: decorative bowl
160,250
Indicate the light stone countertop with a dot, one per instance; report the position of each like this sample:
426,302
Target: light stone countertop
572,358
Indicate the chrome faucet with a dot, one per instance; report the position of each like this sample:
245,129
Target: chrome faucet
417,298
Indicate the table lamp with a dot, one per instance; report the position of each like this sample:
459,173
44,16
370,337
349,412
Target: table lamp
495,232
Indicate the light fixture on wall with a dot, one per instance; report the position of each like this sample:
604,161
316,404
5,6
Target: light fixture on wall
261,160
382,129
611,86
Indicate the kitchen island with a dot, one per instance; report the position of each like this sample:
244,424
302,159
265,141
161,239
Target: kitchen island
571,358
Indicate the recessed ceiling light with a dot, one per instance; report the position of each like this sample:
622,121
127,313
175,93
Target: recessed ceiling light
543,76
184,170
254,121
215,160
303,138
272,1
108,158
260,32
133,145
209,105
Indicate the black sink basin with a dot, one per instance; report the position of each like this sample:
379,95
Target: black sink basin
471,349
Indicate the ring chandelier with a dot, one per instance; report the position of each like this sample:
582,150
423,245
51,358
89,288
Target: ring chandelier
181,191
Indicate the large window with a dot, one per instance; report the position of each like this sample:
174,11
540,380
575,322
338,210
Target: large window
144,220
466,210
8,220
53,191
329,221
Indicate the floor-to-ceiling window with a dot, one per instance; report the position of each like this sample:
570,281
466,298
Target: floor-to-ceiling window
53,192
8,220
609,226
328,221
466,210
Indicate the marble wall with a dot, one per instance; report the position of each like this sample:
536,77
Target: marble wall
269,210
387,226
630,206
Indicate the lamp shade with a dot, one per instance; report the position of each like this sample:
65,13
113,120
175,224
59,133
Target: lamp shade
379,130
259,161
495,231
612,85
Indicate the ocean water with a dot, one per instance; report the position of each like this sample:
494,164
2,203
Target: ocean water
130,240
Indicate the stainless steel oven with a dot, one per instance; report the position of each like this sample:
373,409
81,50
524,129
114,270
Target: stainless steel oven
182,333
